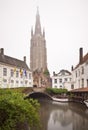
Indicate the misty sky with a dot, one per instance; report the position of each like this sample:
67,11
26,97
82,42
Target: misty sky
65,23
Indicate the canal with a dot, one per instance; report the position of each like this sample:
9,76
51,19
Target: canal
63,116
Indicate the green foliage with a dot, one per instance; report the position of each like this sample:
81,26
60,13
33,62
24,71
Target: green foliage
46,72
14,109
55,91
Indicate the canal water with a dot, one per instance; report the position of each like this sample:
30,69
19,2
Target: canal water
63,116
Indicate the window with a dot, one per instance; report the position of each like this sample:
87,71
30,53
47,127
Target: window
12,73
82,70
87,82
55,80
79,83
4,80
60,80
55,86
17,82
82,83
17,74
26,81
65,79
21,82
26,75
79,72
12,81
72,86
60,86
4,71
76,73
29,83
29,75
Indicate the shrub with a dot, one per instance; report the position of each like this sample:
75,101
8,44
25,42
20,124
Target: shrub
55,91
14,109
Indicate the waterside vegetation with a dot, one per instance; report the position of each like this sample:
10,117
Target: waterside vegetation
15,110
56,91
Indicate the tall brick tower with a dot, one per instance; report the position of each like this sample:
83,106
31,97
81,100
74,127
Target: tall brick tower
38,56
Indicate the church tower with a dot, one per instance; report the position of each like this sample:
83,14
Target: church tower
38,56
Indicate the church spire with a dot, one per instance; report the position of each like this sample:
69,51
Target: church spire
31,31
37,24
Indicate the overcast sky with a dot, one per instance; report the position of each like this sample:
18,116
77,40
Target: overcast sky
65,23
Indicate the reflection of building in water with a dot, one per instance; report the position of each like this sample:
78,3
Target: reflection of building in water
63,117
80,117
45,114
79,123
57,113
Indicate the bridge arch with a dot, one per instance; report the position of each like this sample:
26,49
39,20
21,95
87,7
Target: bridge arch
37,95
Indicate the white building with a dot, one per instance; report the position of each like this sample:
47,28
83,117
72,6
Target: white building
78,78
80,72
62,80
14,72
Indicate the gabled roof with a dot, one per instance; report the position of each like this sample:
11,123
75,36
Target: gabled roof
64,71
85,58
13,61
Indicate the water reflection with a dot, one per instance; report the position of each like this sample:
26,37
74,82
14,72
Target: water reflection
63,116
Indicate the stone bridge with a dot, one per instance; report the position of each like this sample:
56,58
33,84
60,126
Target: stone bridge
39,89
37,93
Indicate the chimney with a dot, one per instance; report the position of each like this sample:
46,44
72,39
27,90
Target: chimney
72,68
2,51
80,55
54,73
25,59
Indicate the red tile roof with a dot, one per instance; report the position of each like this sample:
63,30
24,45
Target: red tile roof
80,90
